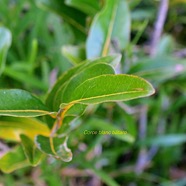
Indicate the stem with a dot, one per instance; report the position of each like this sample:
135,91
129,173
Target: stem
159,24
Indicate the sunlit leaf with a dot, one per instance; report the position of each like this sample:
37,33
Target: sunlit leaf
112,23
12,127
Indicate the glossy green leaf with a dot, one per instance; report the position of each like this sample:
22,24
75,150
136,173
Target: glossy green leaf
31,151
92,71
87,6
5,42
71,15
14,159
12,127
113,60
107,88
112,23
75,54
102,125
20,103
56,147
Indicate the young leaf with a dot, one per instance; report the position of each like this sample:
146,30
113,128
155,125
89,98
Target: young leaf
31,151
107,88
56,147
92,71
5,42
14,159
112,23
20,103
114,59
11,128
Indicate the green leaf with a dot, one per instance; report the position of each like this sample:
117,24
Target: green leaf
75,54
14,159
92,71
114,60
72,16
87,6
20,103
112,23
56,147
159,69
102,125
31,151
11,128
5,42
25,78
105,177
165,140
107,88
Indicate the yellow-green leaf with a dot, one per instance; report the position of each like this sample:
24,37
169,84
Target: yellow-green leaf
11,128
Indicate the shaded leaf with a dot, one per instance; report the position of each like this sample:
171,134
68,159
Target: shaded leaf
25,78
159,69
99,124
5,42
165,140
14,159
31,151
112,23
15,102
72,16
11,128
56,147
87,6
105,177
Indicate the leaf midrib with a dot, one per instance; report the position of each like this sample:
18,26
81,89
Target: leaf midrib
109,33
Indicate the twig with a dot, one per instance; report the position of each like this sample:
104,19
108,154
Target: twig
180,53
128,109
159,24
53,77
142,157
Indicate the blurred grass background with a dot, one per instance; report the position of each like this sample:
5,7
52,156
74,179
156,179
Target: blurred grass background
157,123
